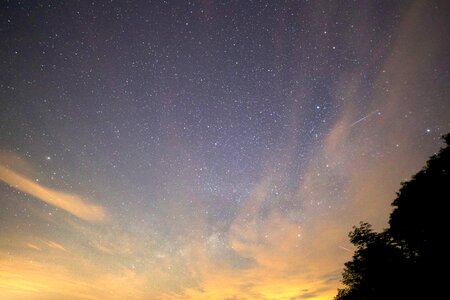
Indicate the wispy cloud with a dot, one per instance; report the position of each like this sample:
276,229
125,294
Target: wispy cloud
33,246
43,278
71,203
347,180
56,246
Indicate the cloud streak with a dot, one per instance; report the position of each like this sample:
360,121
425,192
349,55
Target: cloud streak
348,179
71,203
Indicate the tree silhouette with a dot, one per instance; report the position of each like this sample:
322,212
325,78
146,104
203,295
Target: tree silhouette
421,206
403,261
378,269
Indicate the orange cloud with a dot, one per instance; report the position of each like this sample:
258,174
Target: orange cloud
32,246
68,202
22,278
356,172
56,246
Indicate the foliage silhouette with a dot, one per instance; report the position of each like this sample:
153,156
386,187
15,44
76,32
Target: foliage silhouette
403,261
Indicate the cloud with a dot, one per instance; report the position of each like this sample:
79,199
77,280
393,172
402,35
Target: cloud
43,277
56,246
46,244
34,247
71,203
352,176
271,256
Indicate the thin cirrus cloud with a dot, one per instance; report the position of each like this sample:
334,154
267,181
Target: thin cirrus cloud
348,172
69,202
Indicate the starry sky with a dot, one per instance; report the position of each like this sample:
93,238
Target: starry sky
208,149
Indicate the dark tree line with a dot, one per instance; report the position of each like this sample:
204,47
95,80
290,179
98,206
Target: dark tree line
409,259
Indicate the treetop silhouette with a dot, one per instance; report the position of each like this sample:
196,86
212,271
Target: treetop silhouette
402,262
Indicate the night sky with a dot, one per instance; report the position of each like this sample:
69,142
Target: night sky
208,149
